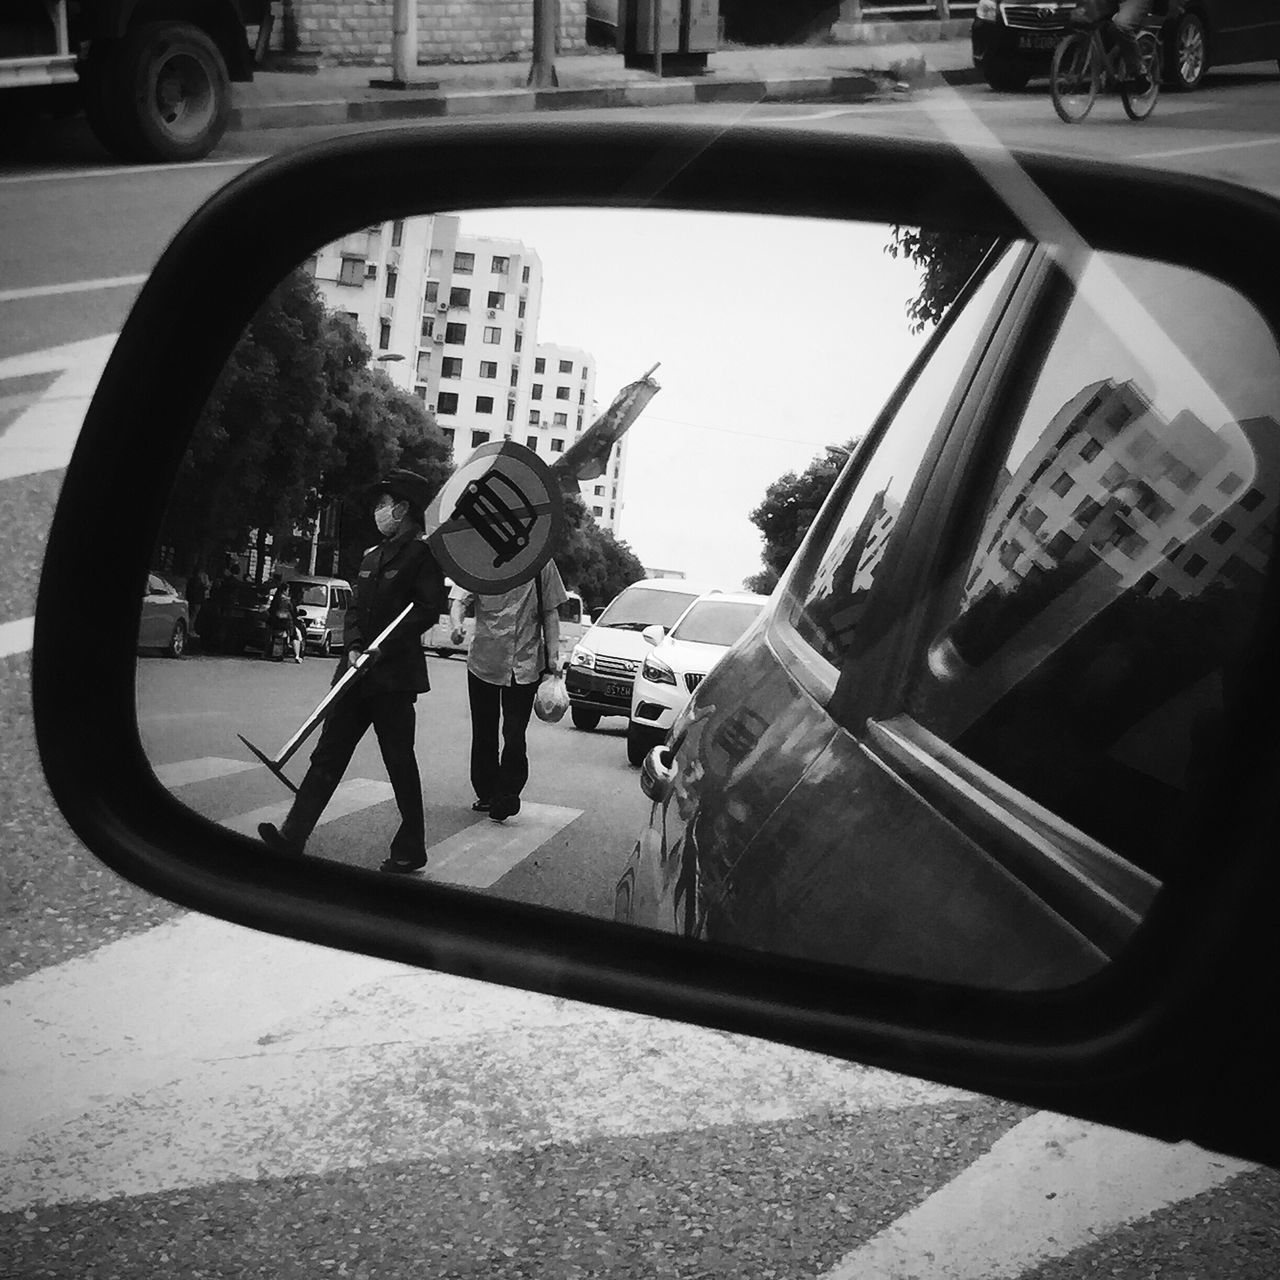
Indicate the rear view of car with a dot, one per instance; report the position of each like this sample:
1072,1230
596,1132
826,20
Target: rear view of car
681,660
603,664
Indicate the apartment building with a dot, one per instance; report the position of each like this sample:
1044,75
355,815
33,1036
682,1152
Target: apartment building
453,318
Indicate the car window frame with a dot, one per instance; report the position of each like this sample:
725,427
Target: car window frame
820,678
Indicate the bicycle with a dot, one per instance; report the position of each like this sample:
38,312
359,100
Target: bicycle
1088,58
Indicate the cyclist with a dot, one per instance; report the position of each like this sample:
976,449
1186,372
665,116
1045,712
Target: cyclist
1128,21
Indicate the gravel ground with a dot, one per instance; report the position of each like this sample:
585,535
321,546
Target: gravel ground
769,1200
56,899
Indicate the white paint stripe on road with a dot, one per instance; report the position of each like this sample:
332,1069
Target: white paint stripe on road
182,773
124,171
43,437
1047,1187
484,852
1208,150
427,1067
15,637
74,286
351,796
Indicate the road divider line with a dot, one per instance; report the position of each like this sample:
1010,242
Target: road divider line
484,852
15,637
183,773
74,286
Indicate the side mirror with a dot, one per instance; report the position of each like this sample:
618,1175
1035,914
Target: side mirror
1170,1003
654,634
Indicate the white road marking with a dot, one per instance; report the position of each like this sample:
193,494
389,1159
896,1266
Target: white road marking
124,171
1047,1187
351,796
182,773
483,853
43,437
73,286
1209,150
16,636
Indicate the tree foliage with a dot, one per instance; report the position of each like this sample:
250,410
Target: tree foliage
591,559
947,259
297,421
790,504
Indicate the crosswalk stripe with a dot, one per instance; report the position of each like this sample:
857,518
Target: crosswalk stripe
43,436
350,797
483,853
183,773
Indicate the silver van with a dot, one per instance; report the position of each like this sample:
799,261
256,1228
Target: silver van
322,610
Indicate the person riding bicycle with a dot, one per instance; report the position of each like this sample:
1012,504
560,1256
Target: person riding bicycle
1128,21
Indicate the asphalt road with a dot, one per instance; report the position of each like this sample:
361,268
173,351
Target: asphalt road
185,1098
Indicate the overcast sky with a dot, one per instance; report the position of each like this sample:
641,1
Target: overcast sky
775,336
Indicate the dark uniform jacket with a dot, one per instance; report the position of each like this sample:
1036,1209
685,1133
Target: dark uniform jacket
395,573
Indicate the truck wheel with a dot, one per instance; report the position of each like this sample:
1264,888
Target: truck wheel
105,99
177,89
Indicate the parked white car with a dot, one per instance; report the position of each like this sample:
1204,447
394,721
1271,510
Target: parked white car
680,658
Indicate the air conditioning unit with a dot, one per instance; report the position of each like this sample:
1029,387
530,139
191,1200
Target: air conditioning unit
512,393
493,315
438,336
387,310
442,306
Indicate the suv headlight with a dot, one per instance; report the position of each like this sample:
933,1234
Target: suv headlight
582,658
658,672
987,11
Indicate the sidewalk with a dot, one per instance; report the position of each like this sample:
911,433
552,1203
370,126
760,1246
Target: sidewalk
845,72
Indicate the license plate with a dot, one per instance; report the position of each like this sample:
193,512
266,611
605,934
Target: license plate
617,690
1040,44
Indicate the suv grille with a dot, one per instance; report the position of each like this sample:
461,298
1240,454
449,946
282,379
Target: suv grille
615,666
692,682
1036,17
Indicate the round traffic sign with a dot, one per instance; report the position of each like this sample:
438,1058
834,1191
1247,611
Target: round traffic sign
495,521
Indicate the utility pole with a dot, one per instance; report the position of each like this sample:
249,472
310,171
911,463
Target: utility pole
546,22
404,41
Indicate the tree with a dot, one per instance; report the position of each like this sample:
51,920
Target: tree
591,560
947,259
790,504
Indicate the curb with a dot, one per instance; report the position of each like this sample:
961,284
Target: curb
846,87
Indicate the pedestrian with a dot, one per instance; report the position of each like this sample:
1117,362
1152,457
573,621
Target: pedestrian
400,570
197,592
282,617
515,642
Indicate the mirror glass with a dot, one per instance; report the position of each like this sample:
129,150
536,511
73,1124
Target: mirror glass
956,734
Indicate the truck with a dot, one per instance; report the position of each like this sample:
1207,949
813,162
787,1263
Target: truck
153,77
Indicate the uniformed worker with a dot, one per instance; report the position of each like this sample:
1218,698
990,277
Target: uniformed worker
400,570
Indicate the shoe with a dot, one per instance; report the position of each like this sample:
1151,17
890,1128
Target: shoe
298,661
277,841
399,867
503,807
481,806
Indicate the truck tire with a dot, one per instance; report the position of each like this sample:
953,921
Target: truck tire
105,99
176,89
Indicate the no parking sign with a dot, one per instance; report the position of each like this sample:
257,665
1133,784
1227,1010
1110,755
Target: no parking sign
495,521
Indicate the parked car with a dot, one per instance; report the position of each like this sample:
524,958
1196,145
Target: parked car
1014,42
574,624
166,621
234,618
322,610
987,703
603,664
681,659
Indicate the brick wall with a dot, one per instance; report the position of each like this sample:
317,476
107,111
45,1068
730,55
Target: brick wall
359,31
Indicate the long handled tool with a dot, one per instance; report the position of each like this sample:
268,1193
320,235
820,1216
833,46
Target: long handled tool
353,673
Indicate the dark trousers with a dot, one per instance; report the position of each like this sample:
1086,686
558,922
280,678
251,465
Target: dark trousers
392,717
493,775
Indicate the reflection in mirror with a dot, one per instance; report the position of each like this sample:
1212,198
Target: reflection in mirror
975,776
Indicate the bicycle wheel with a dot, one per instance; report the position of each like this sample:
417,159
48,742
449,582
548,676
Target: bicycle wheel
1073,79
1140,106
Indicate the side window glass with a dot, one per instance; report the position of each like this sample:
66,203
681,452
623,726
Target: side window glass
1118,572
828,596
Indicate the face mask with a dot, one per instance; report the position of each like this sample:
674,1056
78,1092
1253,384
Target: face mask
386,520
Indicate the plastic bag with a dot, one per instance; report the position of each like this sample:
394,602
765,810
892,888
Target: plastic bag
552,699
